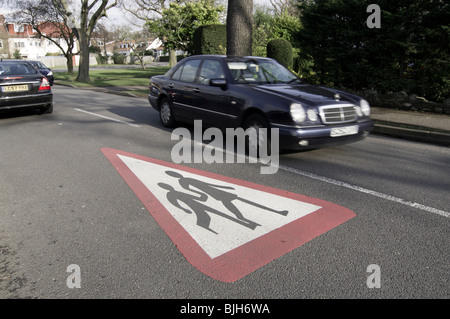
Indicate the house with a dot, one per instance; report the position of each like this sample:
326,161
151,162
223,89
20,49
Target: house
22,38
127,47
4,38
155,45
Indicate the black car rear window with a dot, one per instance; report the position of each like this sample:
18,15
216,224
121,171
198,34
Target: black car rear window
7,69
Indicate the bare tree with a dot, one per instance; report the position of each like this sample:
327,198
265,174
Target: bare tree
145,9
285,6
138,42
239,27
84,21
104,33
149,10
48,24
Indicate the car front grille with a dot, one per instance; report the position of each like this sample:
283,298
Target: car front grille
332,114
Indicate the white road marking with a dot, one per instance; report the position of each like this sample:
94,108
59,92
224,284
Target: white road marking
263,212
356,188
366,191
107,118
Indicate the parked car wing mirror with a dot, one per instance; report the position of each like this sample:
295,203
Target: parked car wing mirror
222,83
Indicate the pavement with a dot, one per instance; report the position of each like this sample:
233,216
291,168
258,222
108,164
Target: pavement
418,126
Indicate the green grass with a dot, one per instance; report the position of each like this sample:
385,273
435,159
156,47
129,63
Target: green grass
113,77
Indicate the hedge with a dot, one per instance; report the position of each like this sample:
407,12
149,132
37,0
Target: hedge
280,50
210,39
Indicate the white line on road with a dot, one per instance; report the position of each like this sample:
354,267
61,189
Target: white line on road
366,191
356,188
107,118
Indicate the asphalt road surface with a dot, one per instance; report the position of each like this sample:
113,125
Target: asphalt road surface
71,225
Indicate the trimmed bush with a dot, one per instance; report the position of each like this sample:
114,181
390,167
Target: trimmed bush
210,39
280,50
118,58
165,58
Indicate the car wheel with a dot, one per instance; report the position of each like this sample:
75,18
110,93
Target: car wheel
47,109
166,114
257,138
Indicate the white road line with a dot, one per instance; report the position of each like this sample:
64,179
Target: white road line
357,188
107,118
366,191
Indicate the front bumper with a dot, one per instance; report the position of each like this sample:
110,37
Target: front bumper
153,100
295,138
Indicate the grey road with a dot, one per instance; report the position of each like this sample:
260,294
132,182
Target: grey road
63,203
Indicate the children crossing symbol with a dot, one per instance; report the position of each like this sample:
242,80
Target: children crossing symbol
225,227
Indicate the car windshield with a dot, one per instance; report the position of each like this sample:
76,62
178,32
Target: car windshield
7,69
254,71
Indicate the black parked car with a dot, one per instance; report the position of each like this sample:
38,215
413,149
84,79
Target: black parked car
225,91
22,86
41,67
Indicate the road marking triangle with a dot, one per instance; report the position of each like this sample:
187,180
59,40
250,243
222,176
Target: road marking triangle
225,227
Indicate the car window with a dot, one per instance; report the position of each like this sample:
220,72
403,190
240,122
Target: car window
17,69
265,72
187,71
38,64
211,69
176,75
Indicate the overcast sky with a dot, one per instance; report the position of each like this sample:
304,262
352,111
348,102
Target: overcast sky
116,16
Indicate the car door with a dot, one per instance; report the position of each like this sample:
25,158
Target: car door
181,89
213,101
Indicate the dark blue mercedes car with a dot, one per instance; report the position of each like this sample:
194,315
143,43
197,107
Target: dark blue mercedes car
41,67
228,91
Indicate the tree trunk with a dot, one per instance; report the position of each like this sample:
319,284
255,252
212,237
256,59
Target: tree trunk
69,58
172,57
239,27
83,70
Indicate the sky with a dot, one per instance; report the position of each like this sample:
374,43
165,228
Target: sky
116,16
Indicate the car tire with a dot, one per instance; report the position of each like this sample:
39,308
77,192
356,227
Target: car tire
254,142
166,114
47,109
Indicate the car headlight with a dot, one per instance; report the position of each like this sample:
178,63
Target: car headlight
365,107
298,113
50,73
358,110
312,115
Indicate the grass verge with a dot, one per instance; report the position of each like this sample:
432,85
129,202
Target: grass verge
112,77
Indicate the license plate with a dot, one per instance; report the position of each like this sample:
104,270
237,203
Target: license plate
15,88
343,131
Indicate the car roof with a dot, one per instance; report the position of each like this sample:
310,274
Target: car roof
30,62
21,61
13,62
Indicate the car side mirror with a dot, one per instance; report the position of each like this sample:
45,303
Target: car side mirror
222,83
